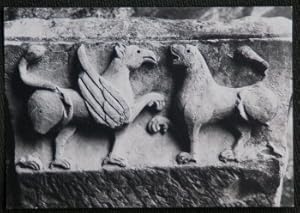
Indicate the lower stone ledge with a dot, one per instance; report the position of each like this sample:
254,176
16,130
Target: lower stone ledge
182,186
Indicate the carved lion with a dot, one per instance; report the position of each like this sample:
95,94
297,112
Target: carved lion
202,100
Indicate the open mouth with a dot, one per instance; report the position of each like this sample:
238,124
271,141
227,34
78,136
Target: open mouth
175,56
149,59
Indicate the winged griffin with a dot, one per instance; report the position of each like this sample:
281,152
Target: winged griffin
108,99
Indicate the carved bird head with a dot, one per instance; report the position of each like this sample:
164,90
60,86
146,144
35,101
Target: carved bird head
185,55
133,56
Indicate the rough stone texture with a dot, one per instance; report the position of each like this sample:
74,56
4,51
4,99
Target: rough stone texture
200,13
187,186
272,12
11,13
138,29
149,155
288,181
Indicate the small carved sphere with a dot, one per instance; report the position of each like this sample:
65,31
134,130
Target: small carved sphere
35,52
45,110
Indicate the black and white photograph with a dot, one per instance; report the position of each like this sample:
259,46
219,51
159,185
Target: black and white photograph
149,107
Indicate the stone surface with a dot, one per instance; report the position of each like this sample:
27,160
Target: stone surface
272,12
70,30
149,155
200,13
12,13
143,81
188,186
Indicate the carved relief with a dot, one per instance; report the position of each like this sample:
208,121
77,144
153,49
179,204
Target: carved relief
158,124
107,99
210,96
202,100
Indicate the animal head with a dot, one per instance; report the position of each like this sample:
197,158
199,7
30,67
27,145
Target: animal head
185,55
133,56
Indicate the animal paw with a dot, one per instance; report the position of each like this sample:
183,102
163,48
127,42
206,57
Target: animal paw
275,151
30,162
158,124
60,164
185,158
228,155
114,161
158,103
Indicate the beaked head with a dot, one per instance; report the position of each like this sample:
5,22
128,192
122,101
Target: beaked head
133,56
184,55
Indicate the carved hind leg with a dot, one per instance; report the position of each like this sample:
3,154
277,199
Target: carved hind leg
62,138
243,134
274,150
32,162
113,157
184,157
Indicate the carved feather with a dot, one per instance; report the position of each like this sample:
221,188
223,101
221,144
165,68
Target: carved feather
103,101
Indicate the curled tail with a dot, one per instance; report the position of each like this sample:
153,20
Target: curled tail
248,55
33,55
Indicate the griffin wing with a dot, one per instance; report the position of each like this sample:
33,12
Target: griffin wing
103,101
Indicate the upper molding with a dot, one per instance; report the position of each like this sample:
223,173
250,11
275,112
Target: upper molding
86,29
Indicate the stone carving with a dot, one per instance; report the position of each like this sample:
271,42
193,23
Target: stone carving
107,99
203,101
110,98
255,181
158,124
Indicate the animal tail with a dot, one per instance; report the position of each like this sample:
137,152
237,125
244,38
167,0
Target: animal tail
241,107
33,55
248,55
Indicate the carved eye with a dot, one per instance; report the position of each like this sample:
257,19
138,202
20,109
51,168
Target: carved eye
188,51
138,51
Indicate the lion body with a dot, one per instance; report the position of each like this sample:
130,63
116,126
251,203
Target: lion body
204,101
46,109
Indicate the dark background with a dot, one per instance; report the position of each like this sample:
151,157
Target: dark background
204,13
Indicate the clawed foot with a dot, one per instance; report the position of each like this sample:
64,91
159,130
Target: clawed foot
185,158
30,162
114,161
158,103
278,153
228,155
158,124
60,164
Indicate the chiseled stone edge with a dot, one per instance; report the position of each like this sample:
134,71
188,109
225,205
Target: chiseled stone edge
186,187
65,29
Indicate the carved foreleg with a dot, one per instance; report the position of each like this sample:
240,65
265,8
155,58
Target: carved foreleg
233,154
158,124
152,99
62,138
193,133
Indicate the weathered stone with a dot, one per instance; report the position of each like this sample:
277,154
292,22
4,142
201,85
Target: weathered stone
151,158
272,12
156,187
11,13
72,30
199,13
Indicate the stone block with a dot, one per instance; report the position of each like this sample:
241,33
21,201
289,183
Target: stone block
152,177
